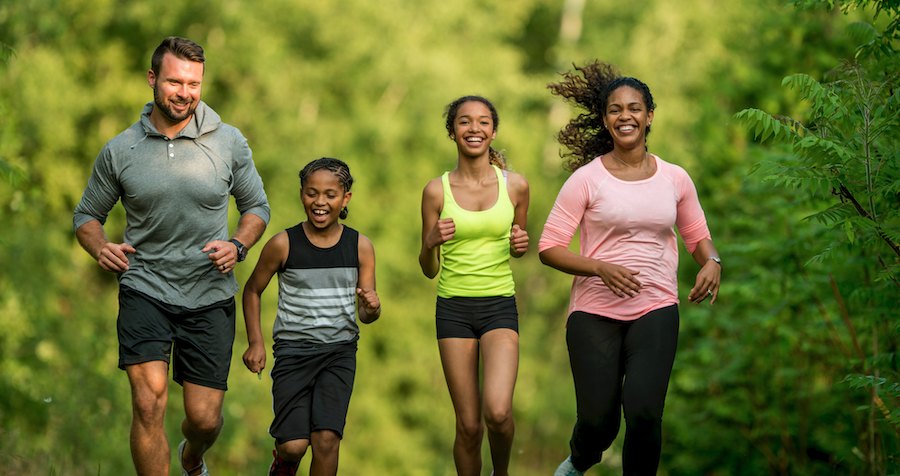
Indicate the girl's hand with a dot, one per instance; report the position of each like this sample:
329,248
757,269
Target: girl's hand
518,241
619,279
442,232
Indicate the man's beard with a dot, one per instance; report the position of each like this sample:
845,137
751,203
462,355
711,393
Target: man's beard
167,110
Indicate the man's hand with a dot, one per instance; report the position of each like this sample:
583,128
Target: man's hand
113,257
223,256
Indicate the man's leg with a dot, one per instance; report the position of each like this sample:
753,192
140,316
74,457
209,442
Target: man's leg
149,394
202,423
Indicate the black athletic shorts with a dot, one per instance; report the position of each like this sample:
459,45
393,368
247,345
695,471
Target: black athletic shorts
312,393
203,337
472,317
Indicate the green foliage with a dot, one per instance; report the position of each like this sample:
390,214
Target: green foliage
849,150
841,161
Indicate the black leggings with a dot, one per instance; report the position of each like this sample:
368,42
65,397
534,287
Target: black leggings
604,352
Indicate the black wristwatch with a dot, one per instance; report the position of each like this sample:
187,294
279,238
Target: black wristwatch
241,249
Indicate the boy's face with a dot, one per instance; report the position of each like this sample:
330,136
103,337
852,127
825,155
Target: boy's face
323,198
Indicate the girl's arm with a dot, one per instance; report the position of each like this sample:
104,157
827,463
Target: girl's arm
435,231
368,303
272,258
520,195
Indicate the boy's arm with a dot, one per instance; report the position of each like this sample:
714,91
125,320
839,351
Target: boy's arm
368,303
270,261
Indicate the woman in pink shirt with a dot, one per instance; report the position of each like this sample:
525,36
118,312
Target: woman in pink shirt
622,329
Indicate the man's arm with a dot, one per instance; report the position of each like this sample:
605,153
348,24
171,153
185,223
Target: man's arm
110,256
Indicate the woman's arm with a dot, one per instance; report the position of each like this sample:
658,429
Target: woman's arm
619,279
710,276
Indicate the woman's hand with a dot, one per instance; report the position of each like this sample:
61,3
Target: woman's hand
619,279
707,285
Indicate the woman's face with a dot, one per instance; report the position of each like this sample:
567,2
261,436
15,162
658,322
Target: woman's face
473,129
627,117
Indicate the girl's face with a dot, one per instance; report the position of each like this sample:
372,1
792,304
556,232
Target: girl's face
323,198
473,129
627,117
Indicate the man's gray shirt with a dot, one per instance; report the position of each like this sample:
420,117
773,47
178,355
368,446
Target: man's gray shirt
175,193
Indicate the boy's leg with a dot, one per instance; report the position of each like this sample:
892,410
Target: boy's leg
331,399
287,457
325,446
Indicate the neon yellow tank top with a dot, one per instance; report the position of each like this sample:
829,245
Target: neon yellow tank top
475,263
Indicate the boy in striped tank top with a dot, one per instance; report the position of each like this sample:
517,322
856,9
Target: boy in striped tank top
326,275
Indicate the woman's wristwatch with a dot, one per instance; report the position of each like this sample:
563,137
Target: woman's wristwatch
717,260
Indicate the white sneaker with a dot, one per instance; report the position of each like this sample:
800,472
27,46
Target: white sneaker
203,471
566,469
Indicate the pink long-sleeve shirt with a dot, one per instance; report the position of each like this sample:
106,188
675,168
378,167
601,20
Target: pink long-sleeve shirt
629,224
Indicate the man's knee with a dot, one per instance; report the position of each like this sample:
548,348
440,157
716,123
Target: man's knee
149,391
203,408
206,423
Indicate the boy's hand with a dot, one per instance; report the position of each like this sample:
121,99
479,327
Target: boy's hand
255,358
369,299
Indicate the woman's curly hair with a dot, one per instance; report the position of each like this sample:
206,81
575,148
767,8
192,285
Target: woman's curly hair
585,136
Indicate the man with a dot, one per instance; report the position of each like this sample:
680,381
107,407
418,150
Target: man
173,171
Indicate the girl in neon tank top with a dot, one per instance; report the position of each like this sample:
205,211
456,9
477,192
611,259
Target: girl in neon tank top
473,220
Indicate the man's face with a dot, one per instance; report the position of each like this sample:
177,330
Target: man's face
176,89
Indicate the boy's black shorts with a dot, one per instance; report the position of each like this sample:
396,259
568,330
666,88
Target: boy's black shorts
312,392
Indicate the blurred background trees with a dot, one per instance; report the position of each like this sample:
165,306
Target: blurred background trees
761,382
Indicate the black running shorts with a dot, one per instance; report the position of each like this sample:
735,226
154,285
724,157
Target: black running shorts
472,317
203,337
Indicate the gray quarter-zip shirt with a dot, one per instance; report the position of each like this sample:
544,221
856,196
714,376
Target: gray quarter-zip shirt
175,193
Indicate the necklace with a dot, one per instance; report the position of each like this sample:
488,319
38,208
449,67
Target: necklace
646,160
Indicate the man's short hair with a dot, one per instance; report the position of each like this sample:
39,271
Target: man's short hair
182,48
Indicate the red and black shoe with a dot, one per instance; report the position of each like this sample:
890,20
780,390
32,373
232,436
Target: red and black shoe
281,467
